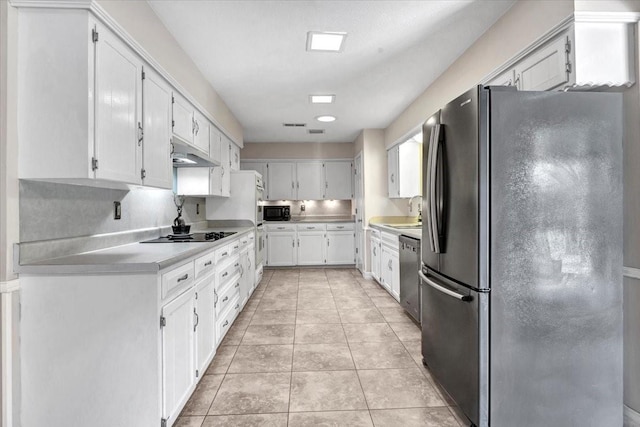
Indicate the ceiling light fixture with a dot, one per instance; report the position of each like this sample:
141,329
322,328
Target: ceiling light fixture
323,41
326,119
322,99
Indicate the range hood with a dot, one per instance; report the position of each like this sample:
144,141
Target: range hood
185,155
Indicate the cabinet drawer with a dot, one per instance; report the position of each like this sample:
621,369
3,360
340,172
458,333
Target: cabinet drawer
227,272
347,226
176,280
228,294
226,319
311,227
390,240
204,264
244,241
234,247
222,254
280,227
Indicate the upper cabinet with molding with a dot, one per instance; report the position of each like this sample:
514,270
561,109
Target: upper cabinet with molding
81,102
584,54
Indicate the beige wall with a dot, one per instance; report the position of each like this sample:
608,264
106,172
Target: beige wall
287,150
520,26
141,22
374,173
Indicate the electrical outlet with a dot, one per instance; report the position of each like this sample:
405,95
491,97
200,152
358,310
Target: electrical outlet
117,210
302,208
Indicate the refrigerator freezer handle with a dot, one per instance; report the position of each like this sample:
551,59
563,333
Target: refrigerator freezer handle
433,181
434,285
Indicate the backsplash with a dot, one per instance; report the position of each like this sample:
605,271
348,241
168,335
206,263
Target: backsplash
316,207
56,211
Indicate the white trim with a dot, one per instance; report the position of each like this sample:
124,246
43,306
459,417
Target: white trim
367,275
341,159
10,286
114,26
631,417
619,17
631,272
6,358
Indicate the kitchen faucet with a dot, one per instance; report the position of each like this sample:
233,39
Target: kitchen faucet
419,206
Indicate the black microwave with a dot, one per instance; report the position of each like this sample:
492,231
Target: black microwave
276,213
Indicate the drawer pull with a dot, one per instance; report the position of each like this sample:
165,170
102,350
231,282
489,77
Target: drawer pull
237,306
225,274
208,263
225,323
311,228
236,247
225,253
236,264
340,227
280,228
225,298
237,285
185,277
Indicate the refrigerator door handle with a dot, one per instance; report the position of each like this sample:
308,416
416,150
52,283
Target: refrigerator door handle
433,181
429,200
434,285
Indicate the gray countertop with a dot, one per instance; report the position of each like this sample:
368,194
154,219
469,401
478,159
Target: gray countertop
131,258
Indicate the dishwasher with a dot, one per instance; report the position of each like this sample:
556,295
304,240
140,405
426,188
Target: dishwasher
409,281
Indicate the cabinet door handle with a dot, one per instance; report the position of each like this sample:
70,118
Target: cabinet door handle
215,298
298,185
237,306
293,243
390,265
327,242
392,178
237,285
140,133
185,277
226,322
208,263
292,185
374,251
195,325
225,299
516,83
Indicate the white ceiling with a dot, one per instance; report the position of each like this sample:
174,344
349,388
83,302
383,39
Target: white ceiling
253,53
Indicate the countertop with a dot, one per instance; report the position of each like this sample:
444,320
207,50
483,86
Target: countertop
130,258
415,233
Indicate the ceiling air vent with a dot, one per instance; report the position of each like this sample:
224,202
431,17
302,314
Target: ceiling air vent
294,125
316,131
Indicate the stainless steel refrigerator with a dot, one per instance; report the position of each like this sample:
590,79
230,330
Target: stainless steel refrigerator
521,275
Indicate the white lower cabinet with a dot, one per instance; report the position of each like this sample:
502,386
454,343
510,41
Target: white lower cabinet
205,323
281,245
178,370
374,245
311,248
390,270
341,247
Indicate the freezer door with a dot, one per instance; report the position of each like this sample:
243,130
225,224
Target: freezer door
458,205
556,259
454,342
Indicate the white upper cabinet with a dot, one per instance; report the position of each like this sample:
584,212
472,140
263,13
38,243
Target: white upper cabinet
225,167
404,172
156,117
201,132
182,118
234,156
587,54
215,144
118,125
309,181
282,179
82,86
338,180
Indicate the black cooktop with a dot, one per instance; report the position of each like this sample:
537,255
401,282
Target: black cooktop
193,237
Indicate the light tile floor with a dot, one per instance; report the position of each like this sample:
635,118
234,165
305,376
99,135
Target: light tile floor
319,347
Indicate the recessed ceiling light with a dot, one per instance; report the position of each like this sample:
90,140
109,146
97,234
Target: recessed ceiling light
325,41
326,119
322,99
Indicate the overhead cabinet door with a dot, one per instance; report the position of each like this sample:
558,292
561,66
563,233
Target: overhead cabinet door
338,180
281,181
310,182
156,147
392,173
545,69
182,118
201,132
118,148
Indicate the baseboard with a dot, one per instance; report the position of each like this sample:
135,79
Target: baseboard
367,275
631,417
